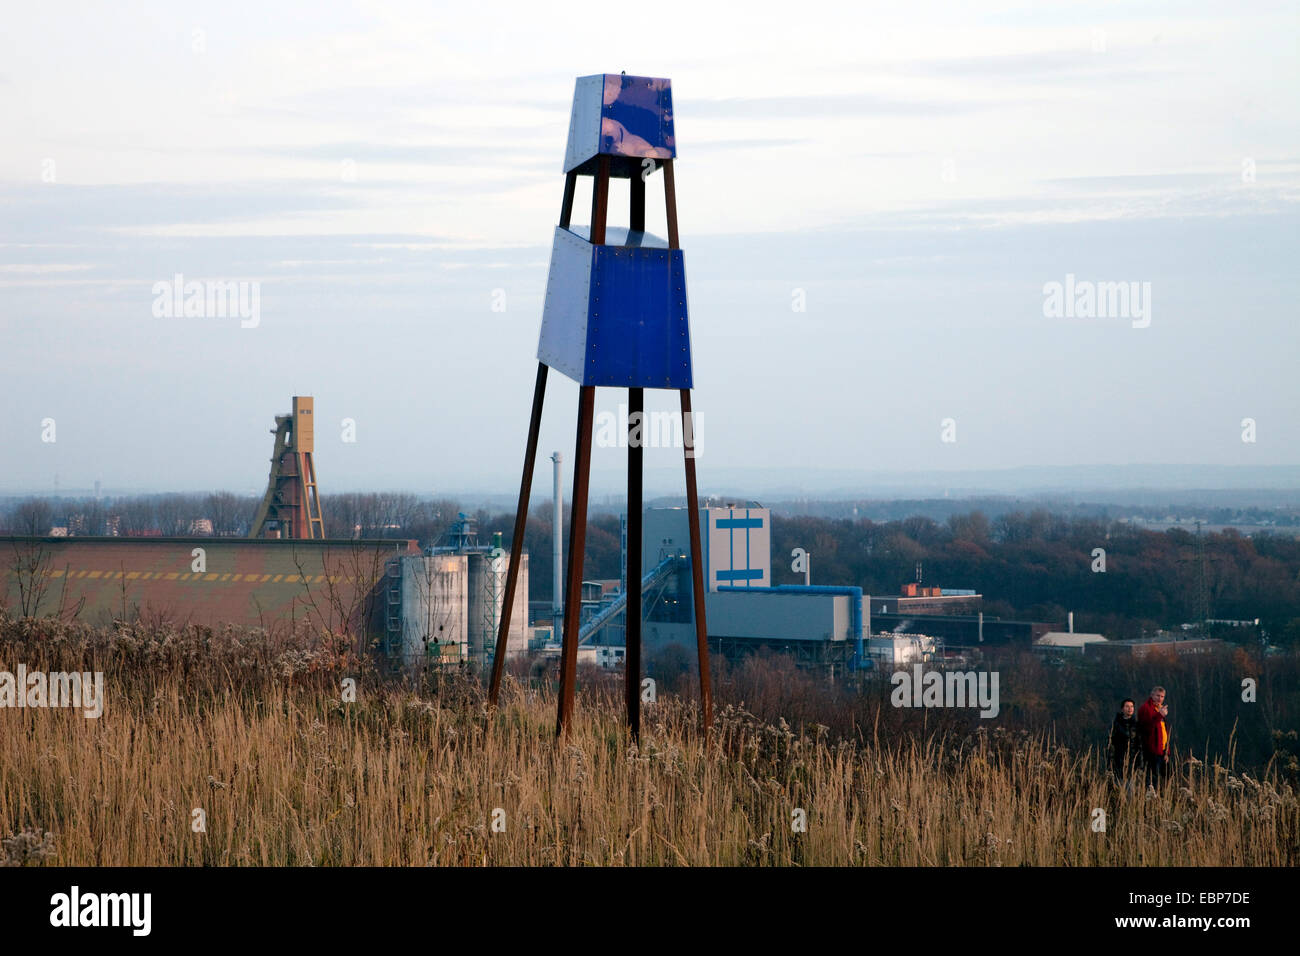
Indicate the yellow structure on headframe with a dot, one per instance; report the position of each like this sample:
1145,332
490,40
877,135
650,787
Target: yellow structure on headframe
291,506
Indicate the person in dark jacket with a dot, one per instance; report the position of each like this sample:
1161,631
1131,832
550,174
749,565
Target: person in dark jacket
1124,740
1153,733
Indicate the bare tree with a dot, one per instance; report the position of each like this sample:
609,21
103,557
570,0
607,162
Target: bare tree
32,567
431,520
92,517
343,515
347,599
136,514
229,513
34,517
175,514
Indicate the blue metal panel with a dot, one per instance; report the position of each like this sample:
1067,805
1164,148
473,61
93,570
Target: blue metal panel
616,314
629,118
744,574
637,329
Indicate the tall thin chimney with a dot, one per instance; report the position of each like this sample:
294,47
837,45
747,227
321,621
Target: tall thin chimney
1070,618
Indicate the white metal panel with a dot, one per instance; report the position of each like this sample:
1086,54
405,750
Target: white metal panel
791,616
843,627
562,344
584,120
731,550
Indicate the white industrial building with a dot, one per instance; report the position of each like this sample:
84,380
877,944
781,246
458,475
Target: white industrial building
445,606
894,650
744,612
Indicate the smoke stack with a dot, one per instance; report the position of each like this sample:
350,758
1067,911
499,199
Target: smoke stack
1070,619
557,550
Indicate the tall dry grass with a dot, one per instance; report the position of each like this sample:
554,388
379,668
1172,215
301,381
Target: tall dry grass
254,733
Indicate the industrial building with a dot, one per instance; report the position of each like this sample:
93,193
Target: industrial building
438,607
916,599
276,585
952,616
818,626
1068,641
888,651
1164,643
445,605
972,630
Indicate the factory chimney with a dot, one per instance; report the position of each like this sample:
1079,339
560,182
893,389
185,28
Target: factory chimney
1070,619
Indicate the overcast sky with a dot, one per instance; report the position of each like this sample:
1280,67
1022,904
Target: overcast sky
386,173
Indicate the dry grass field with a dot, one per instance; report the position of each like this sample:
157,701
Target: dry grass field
257,737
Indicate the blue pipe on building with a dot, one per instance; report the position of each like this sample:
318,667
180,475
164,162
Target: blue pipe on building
859,653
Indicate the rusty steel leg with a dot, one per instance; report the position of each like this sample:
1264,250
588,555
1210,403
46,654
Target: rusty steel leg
670,204
573,573
697,564
632,645
566,205
600,201
517,541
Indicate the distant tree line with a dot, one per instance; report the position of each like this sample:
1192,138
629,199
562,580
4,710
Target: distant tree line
218,513
1038,566
221,513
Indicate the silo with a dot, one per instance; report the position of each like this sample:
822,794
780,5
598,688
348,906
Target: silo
487,588
434,597
487,583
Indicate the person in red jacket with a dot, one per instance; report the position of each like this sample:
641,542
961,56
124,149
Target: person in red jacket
1153,733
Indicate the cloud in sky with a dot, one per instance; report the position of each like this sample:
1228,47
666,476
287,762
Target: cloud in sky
382,170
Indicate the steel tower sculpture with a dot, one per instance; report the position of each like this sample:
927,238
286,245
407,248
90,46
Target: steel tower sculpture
615,316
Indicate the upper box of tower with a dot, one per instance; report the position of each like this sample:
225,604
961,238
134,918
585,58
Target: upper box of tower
627,118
